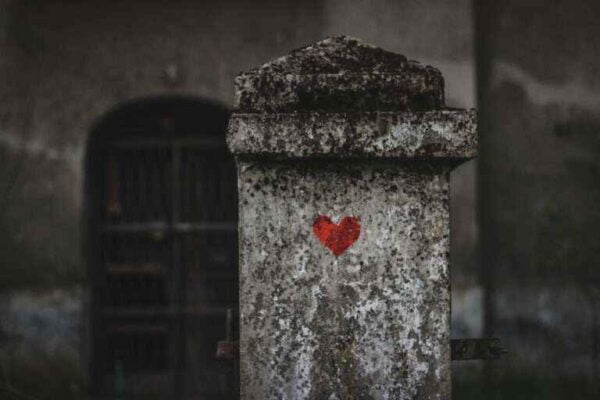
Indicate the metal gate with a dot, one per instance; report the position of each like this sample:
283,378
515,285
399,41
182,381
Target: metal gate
162,251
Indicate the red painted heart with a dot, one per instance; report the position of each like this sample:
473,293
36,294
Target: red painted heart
336,237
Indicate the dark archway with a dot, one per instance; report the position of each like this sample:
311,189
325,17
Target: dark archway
161,222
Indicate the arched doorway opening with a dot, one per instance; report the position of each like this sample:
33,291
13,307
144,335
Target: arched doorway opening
161,211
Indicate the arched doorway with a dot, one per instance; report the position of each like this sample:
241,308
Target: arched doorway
161,203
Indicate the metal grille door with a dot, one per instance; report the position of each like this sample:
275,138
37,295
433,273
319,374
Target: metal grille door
163,253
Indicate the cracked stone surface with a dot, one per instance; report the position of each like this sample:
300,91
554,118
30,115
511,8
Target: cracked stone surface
373,321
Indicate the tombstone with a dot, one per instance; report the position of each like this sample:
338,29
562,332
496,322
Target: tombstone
343,153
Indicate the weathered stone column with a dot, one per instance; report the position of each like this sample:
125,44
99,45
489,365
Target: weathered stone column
343,154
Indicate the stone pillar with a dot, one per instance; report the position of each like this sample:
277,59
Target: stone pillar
344,152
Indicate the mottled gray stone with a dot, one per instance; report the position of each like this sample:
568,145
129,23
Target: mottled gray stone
441,134
372,322
340,74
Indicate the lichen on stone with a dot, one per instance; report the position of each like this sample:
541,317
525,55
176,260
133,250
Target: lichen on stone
340,74
343,129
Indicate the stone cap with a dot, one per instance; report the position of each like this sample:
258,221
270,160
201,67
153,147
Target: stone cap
340,74
443,135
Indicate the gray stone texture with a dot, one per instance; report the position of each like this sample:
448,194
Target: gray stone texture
340,74
440,134
373,322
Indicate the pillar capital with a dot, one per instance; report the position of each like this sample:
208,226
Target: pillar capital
342,98
340,74
441,135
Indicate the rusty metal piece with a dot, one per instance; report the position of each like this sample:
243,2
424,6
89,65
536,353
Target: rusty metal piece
476,349
228,350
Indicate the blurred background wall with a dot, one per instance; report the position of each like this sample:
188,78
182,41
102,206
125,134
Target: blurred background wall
65,64
538,194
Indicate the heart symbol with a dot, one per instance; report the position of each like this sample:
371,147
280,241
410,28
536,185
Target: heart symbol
336,237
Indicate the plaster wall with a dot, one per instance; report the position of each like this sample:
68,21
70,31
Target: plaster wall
539,155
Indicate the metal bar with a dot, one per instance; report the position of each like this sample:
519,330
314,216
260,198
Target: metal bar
140,143
178,268
129,328
228,349
229,325
128,269
476,349
119,382
163,312
177,227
